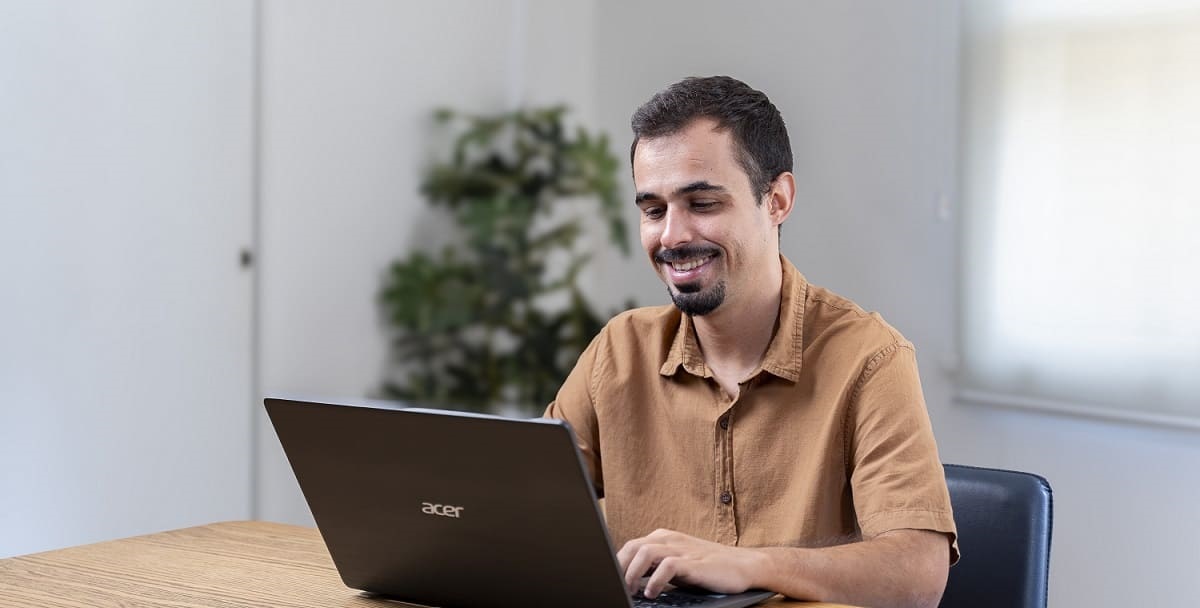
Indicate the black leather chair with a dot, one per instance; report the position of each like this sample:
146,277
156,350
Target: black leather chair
1004,521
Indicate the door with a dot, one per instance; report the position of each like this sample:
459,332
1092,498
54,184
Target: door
126,201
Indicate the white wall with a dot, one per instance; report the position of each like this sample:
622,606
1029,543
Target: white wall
125,325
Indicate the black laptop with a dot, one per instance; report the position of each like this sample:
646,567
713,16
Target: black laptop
459,510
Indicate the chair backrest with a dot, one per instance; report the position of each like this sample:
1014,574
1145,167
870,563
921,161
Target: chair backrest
1004,521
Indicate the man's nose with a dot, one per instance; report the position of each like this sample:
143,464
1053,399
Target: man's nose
677,229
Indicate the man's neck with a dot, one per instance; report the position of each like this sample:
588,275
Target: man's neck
734,339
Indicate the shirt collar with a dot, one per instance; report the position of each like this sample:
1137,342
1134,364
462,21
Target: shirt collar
784,354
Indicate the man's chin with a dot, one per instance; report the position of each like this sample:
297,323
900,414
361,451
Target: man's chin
698,302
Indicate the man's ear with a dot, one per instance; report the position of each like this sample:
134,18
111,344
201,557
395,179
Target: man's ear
782,197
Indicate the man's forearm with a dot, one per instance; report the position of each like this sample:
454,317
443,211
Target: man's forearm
903,568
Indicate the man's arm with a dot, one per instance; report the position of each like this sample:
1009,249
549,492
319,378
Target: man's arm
901,568
575,405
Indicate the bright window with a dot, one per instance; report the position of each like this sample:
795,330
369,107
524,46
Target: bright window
1081,139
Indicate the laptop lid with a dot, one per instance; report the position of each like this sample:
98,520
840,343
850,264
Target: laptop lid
450,508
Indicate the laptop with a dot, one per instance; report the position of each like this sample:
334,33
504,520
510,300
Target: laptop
460,510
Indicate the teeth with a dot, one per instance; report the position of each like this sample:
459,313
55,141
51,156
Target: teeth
686,266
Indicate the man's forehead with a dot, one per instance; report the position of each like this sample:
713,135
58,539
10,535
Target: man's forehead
699,152
700,133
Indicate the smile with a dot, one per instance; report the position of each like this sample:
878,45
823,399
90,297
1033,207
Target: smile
687,265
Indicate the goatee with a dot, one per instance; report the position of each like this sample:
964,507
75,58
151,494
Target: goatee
697,302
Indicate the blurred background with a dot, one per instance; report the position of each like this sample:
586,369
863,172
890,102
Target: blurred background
200,201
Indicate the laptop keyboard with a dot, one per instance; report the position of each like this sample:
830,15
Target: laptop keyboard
669,599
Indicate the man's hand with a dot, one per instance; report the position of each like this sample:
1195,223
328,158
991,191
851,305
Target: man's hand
900,568
676,558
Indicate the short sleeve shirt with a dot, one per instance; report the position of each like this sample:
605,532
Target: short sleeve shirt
828,441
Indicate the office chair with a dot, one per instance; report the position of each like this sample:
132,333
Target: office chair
1004,521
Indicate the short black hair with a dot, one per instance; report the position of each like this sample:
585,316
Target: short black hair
760,138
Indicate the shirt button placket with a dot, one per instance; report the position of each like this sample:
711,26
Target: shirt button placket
725,521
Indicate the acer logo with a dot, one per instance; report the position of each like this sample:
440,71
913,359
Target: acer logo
429,508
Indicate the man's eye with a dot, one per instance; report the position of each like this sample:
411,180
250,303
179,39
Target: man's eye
703,205
652,213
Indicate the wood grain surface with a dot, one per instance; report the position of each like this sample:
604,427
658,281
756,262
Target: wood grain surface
224,565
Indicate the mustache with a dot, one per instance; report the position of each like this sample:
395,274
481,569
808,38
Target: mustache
687,252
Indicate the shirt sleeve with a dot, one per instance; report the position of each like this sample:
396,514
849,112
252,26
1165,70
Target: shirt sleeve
896,476
575,404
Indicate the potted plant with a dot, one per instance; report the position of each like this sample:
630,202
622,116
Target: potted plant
497,319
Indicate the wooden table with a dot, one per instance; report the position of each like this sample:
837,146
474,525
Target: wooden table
227,565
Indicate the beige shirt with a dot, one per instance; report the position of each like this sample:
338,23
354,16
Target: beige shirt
828,441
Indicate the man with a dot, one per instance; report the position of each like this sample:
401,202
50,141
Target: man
762,432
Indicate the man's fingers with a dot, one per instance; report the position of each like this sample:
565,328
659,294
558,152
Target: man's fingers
627,554
669,568
630,549
640,555
647,557
678,558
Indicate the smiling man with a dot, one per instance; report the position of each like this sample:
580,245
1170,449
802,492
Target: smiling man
761,432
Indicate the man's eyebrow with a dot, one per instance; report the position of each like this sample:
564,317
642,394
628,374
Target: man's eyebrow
700,186
646,196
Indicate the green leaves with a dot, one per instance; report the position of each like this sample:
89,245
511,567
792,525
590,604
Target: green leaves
468,327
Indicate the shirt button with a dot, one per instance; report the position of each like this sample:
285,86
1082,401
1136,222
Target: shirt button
725,422
726,498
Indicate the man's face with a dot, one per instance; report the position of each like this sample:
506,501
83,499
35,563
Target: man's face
701,224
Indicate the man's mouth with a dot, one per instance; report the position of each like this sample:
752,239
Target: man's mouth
686,265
